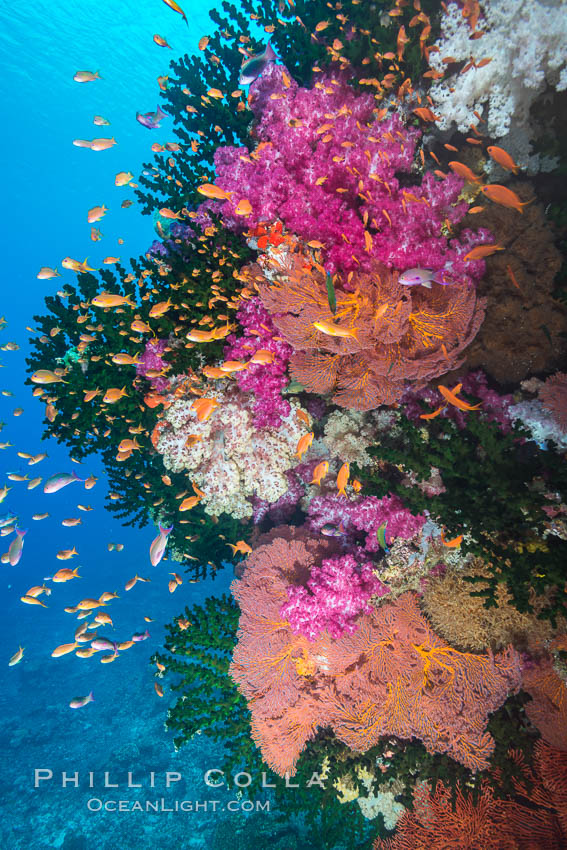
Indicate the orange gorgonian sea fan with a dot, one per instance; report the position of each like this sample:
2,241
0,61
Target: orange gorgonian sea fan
391,335
553,396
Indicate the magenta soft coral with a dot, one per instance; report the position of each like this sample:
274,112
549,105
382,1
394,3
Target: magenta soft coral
365,514
328,170
336,594
265,382
152,359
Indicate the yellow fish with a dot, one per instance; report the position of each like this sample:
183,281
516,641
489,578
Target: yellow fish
76,266
334,330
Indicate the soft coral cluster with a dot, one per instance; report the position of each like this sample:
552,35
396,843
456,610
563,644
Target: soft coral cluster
326,165
337,592
227,456
265,382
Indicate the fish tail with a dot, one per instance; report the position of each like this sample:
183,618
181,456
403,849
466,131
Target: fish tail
91,696
165,530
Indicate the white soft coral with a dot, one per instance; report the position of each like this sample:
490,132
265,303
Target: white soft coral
526,41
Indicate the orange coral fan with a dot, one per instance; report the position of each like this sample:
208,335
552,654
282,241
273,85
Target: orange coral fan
548,708
381,336
272,666
408,682
490,823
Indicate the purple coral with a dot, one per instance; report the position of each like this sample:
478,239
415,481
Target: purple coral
265,382
328,169
152,359
495,407
336,594
366,515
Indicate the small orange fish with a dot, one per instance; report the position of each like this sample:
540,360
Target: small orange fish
303,444
320,472
241,546
504,196
433,414
189,503
203,41
512,277
158,689
482,251
502,158
63,649
244,207
176,8
161,41
123,178
342,478
209,190
457,402
66,554
454,543
464,171
426,114
113,395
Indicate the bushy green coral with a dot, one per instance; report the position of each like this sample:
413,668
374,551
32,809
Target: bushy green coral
495,492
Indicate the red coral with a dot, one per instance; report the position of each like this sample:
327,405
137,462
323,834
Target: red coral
400,335
553,396
548,708
490,823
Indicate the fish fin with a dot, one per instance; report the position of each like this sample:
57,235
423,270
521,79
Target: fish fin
427,284
269,53
91,696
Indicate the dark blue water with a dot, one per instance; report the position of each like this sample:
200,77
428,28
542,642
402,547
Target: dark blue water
48,185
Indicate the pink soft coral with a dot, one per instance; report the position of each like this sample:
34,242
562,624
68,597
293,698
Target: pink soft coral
336,594
327,168
265,382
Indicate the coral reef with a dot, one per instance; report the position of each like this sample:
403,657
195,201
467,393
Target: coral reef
225,455
535,817
523,47
390,335
464,621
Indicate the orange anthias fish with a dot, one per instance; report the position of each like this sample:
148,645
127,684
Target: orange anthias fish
502,158
209,190
241,546
303,444
501,195
320,472
161,41
454,543
114,394
451,397
464,171
482,251
173,5
96,213
342,478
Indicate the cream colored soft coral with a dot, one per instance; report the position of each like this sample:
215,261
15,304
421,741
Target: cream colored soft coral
232,459
348,433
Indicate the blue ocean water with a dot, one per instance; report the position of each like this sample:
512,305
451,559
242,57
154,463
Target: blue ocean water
47,187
